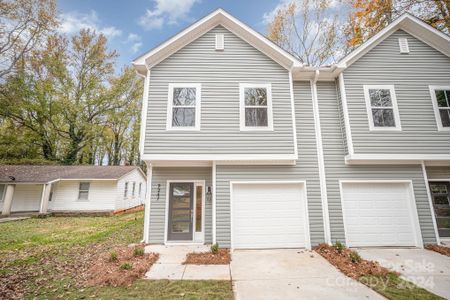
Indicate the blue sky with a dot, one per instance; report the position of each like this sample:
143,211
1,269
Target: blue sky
135,26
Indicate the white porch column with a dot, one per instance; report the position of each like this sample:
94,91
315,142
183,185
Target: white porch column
148,197
45,197
6,211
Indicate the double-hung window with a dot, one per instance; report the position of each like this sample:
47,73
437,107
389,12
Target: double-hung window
133,189
255,106
83,192
184,106
441,105
125,190
382,109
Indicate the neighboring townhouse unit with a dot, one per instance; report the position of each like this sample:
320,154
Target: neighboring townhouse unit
25,189
249,148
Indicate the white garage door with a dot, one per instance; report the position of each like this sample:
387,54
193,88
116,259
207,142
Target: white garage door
268,216
379,214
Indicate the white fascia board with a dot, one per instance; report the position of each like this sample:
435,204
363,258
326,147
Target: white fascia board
218,17
218,157
411,25
359,159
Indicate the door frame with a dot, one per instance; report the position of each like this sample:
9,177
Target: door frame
200,240
414,214
301,183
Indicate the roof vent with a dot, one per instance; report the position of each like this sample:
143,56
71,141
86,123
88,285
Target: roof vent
403,43
220,44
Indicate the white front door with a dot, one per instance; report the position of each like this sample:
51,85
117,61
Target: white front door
269,215
379,214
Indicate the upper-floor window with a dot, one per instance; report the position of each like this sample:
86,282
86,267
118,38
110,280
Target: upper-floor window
441,105
382,107
255,106
83,192
184,106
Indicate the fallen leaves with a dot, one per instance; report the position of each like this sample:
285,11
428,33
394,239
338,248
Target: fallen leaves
439,249
208,258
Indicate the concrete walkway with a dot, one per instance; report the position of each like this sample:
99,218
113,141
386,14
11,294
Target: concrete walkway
425,268
291,274
170,265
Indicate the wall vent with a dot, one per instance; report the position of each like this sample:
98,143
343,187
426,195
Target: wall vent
220,43
403,43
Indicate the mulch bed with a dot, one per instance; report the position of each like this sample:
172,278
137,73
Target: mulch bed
223,257
342,261
439,249
108,272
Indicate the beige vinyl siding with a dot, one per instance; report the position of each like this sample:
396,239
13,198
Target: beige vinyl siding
438,173
219,73
411,74
336,169
306,169
158,205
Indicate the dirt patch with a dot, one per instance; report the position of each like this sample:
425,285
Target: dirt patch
121,266
343,261
223,257
439,249
129,210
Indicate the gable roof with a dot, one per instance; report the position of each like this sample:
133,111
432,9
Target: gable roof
410,24
218,17
44,174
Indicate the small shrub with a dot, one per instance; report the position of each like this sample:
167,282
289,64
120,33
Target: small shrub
338,246
126,266
215,248
355,257
113,256
138,251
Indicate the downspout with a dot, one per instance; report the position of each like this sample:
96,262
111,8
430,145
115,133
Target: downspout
433,216
320,159
148,196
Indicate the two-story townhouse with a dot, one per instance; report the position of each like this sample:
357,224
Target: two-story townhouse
249,148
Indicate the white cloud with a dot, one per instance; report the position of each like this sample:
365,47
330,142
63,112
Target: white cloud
166,12
135,41
73,22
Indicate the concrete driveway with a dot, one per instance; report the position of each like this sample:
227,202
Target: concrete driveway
425,268
291,274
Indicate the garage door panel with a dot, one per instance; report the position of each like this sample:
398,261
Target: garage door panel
378,214
268,216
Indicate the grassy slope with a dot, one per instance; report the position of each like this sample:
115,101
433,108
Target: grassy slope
50,250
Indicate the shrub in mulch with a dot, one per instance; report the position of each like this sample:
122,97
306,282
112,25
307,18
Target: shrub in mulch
221,257
349,262
121,266
439,249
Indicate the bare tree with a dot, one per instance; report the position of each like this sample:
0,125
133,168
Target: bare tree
308,29
24,24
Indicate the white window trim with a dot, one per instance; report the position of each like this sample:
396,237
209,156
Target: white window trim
433,88
198,98
79,190
372,127
268,87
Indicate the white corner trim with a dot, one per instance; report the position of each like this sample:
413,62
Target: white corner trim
372,127
321,163
430,202
305,195
268,87
144,113
148,197
198,110
214,212
348,130
437,115
294,122
412,205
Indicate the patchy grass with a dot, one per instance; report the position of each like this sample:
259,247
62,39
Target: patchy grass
392,286
49,259
385,282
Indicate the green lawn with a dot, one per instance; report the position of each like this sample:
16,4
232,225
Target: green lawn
45,259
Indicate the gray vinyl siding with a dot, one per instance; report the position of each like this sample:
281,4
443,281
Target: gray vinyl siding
306,169
438,173
219,73
158,206
411,74
336,169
